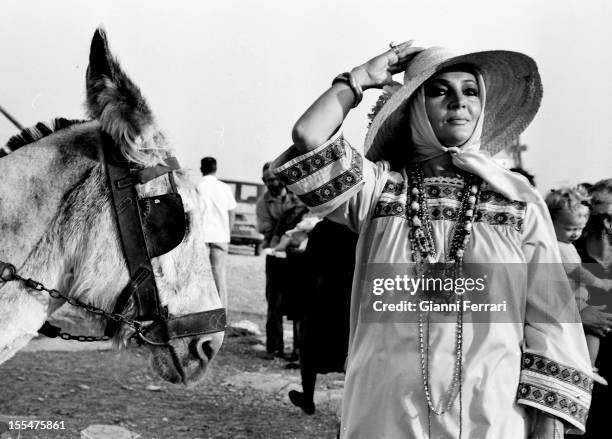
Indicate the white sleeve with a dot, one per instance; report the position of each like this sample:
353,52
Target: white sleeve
555,370
333,180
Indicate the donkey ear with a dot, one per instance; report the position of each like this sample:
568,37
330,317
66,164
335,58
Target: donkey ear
113,98
100,59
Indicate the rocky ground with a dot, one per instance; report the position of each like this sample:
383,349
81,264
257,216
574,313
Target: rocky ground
100,393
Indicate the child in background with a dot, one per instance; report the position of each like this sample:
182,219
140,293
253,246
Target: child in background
569,210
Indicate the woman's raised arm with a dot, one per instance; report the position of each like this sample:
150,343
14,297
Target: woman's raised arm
327,113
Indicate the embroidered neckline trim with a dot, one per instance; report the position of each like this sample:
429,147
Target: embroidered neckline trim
441,179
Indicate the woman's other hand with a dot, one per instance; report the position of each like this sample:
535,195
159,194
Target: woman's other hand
596,320
378,71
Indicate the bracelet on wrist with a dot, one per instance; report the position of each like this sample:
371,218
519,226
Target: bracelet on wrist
349,79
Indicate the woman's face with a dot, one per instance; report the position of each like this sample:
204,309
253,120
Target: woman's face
452,102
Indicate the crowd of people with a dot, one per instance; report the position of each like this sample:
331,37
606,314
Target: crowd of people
428,193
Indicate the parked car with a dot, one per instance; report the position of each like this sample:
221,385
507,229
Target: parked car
244,230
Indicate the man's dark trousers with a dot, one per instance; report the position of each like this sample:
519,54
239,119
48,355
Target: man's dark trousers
276,281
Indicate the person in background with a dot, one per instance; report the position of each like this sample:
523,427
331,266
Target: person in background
325,302
595,250
272,205
217,220
569,210
271,208
294,275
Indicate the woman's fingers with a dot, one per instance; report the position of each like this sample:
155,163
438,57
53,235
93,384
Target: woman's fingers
397,48
380,68
398,51
402,46
404,51
408,53
403,56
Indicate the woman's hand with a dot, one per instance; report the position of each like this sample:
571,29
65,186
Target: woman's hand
378,71
597,321
546,427
327,113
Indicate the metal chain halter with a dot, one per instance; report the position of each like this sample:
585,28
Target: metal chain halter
8,273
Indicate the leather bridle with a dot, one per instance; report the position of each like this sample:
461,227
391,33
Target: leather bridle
150,227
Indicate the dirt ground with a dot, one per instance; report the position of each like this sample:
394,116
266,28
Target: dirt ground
118,388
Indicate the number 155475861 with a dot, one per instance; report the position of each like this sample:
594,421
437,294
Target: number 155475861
36,425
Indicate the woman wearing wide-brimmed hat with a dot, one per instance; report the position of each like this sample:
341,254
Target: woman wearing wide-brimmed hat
427,191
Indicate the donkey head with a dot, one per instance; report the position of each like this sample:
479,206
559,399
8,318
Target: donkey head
183,278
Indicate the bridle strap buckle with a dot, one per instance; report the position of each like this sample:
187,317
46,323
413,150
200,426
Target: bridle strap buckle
190,325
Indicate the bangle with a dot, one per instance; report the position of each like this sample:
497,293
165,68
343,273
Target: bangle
349,79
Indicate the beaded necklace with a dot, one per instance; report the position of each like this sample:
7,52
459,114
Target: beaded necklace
424,251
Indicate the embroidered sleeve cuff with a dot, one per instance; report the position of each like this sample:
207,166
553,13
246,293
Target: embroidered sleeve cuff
323,178
556,389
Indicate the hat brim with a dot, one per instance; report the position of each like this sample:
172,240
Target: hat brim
514,94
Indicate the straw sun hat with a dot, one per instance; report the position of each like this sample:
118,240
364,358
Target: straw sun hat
513,87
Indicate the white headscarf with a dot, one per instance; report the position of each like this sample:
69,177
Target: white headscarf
467,156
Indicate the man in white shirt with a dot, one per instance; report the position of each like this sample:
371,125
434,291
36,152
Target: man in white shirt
219,201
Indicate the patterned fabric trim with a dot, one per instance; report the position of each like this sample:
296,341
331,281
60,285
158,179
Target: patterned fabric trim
500,219
444,203
333,152
443,180
398,209
394,187
337,186
547,367
452,190
448,191
552,400
394,208
497,199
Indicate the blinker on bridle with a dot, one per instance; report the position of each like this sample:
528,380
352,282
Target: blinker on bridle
150,227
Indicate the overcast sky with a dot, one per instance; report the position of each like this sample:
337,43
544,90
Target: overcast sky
229,78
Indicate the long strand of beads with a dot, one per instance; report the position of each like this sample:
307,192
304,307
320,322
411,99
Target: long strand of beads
440,408
422,228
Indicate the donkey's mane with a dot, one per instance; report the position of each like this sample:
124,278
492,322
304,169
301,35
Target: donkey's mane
37,132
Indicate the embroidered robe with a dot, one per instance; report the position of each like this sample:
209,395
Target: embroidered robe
534,359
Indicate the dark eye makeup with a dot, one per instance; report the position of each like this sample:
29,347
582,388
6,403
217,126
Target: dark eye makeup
436,89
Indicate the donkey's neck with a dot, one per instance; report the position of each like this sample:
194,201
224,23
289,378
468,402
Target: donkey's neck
35,180
34,184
